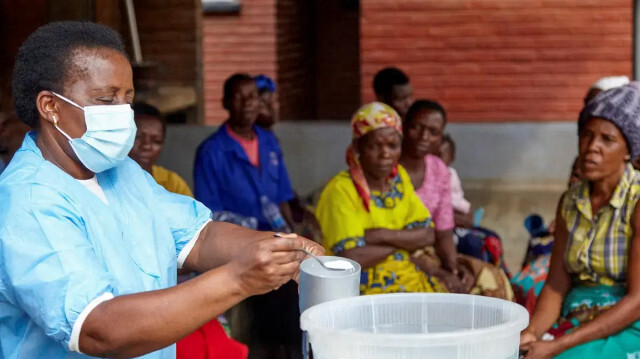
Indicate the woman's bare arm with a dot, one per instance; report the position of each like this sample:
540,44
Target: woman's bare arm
558,283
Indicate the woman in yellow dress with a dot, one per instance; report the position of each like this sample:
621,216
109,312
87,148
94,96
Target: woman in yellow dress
148,145
371,213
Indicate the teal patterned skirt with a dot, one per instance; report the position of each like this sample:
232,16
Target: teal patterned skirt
583,304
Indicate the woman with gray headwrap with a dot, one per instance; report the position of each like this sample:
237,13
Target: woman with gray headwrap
589,306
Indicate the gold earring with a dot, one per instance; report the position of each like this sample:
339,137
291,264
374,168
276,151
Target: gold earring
55,120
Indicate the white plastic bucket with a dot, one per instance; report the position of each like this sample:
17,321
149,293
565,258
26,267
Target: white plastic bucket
415,325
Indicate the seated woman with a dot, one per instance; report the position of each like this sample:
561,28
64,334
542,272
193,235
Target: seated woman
589,304
148,145
371,213
423,133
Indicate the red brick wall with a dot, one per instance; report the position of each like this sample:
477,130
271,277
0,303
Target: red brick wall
497,60
243,42
168,36
337,53
296,80
315,62
15,26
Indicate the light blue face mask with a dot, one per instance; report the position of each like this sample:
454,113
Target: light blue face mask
110,134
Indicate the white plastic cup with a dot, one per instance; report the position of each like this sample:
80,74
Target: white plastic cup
319,285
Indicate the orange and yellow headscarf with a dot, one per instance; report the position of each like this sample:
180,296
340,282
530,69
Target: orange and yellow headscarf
368,118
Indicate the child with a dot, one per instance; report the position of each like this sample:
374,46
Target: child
461,206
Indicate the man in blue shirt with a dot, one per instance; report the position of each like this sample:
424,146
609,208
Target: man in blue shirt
241,162
235,168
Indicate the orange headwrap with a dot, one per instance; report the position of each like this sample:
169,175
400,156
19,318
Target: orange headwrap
369,118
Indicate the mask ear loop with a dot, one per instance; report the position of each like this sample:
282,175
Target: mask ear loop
55,119
55,124
67,100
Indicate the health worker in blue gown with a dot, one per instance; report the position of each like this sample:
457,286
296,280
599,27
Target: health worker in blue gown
89,243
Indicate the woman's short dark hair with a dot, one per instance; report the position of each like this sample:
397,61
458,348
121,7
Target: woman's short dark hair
44,60
386,78
422,105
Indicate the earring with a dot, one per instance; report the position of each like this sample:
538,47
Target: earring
55,120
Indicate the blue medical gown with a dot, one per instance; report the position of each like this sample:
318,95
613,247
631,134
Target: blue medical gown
61,247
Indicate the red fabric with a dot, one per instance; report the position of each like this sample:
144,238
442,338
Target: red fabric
210,342
357,176
250,147
562,329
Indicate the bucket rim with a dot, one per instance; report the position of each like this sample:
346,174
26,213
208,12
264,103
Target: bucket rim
516,325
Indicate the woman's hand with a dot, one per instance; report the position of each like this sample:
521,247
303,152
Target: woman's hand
312,247
309,246
450,279
267,264
464,220
446,251
527,336
452,282
552,227
467,278
459,281
541,349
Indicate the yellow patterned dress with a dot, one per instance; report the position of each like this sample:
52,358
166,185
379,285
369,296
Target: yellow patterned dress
170,180
344,219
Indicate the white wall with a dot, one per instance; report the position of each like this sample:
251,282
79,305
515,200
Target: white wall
516,154
538,154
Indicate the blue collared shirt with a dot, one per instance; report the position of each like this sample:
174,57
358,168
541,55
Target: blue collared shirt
225,180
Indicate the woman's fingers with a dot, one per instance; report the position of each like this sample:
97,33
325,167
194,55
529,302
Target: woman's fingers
313,247
526,337
288,257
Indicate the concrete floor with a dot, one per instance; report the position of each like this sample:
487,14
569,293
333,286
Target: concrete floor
507,207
